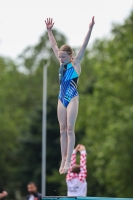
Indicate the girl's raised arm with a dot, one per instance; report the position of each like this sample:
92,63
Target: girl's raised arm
80,54
49,25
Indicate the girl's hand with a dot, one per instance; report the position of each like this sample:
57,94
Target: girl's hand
49,23
92,23
77,147
81,147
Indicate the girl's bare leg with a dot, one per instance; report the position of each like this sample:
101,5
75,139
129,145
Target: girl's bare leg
62,118
72,111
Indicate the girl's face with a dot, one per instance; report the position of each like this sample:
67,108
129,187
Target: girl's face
64,58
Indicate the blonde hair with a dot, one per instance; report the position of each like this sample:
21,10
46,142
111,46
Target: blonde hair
67,49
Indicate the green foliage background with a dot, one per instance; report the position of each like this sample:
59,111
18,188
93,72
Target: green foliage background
104,124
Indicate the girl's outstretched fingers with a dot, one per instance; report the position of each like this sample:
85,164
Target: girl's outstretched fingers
49,23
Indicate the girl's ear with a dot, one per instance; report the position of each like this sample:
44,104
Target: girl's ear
71,57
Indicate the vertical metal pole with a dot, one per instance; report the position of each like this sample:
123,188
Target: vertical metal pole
44,122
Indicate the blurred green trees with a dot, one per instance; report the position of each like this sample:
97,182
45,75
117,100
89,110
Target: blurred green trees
104,123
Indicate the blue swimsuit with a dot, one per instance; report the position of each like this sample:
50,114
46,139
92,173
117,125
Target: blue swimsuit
68,78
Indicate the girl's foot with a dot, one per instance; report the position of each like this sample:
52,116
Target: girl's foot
62,166
66,167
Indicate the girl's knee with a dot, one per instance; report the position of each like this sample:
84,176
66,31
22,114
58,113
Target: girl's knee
70,130
62,129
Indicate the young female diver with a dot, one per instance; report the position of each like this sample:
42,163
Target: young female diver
67,108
